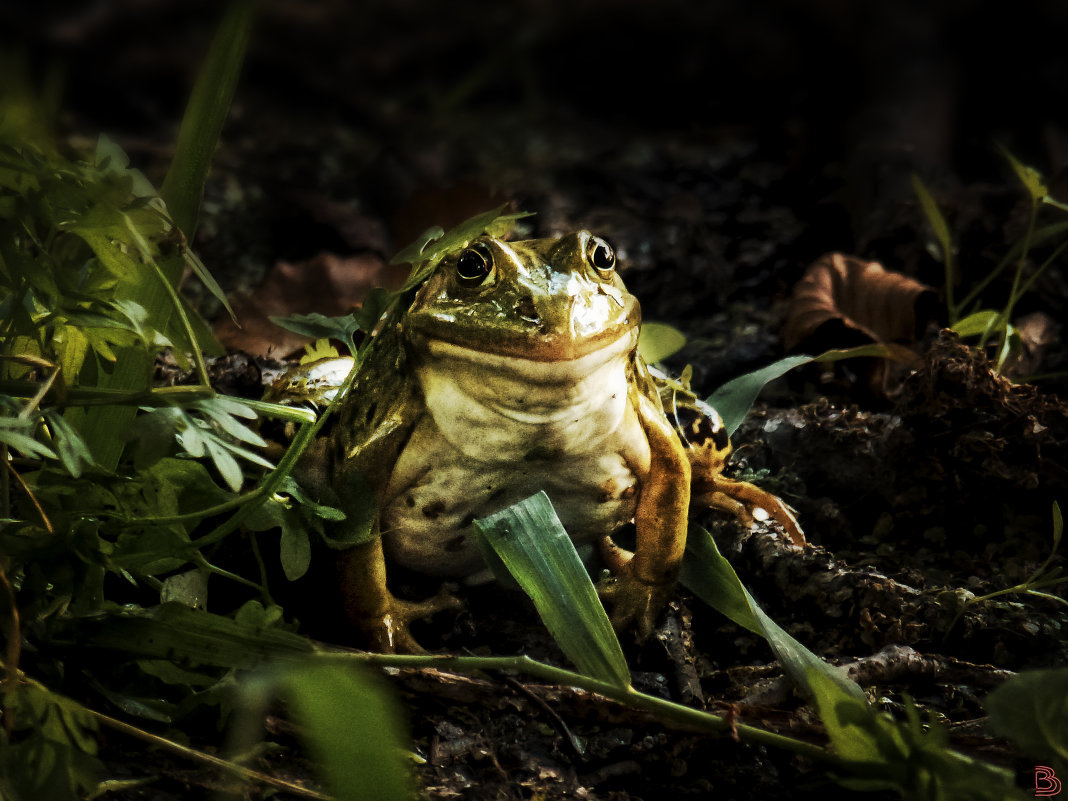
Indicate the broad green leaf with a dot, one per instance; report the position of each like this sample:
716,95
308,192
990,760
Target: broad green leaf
189,588
353,728
537,551
979,323
657,341
294,548
1031,709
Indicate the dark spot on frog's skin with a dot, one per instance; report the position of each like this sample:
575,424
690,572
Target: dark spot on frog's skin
410,501
698,429
433,509
455,544
468,520
721,438
370,412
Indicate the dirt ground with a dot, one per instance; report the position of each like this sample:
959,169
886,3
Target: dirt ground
722,149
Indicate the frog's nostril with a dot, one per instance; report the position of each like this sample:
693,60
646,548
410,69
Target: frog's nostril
524,308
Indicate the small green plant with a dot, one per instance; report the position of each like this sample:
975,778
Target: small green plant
987,324
1041,578
118,498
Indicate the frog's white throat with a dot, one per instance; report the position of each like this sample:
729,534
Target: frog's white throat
494,407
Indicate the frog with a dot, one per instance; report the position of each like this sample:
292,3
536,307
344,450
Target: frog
513,370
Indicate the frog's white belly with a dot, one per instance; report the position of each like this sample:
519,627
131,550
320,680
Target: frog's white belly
495,436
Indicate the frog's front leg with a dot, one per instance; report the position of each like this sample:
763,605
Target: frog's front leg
642,582
382,617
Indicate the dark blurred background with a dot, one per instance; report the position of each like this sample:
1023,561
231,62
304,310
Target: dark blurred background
722,145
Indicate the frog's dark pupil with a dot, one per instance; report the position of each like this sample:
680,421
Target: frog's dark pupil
601,255
473,265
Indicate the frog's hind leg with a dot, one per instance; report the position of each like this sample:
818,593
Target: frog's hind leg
370,605
747,502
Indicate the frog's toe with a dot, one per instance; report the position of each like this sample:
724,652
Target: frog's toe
635,604
749,503
389,632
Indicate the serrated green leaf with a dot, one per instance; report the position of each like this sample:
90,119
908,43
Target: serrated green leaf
27,446
72,450
376,304
532,543
424,258
221,413
657,341
412,253
189,588
319,326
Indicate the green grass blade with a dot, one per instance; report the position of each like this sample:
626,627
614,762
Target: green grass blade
712,579
534,546
204,117
734,399
192,636
941,232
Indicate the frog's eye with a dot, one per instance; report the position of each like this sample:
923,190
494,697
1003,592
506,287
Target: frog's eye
600,254
474,265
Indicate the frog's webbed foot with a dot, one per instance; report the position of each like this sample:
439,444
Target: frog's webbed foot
748,503
634,603
388,630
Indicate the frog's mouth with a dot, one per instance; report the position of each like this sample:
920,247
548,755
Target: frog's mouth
531,331
529,367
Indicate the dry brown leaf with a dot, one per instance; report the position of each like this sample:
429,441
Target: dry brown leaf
848,301
843,302
327,284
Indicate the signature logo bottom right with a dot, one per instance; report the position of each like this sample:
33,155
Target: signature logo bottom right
1047,784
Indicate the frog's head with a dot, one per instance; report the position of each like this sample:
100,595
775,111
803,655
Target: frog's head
545,300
